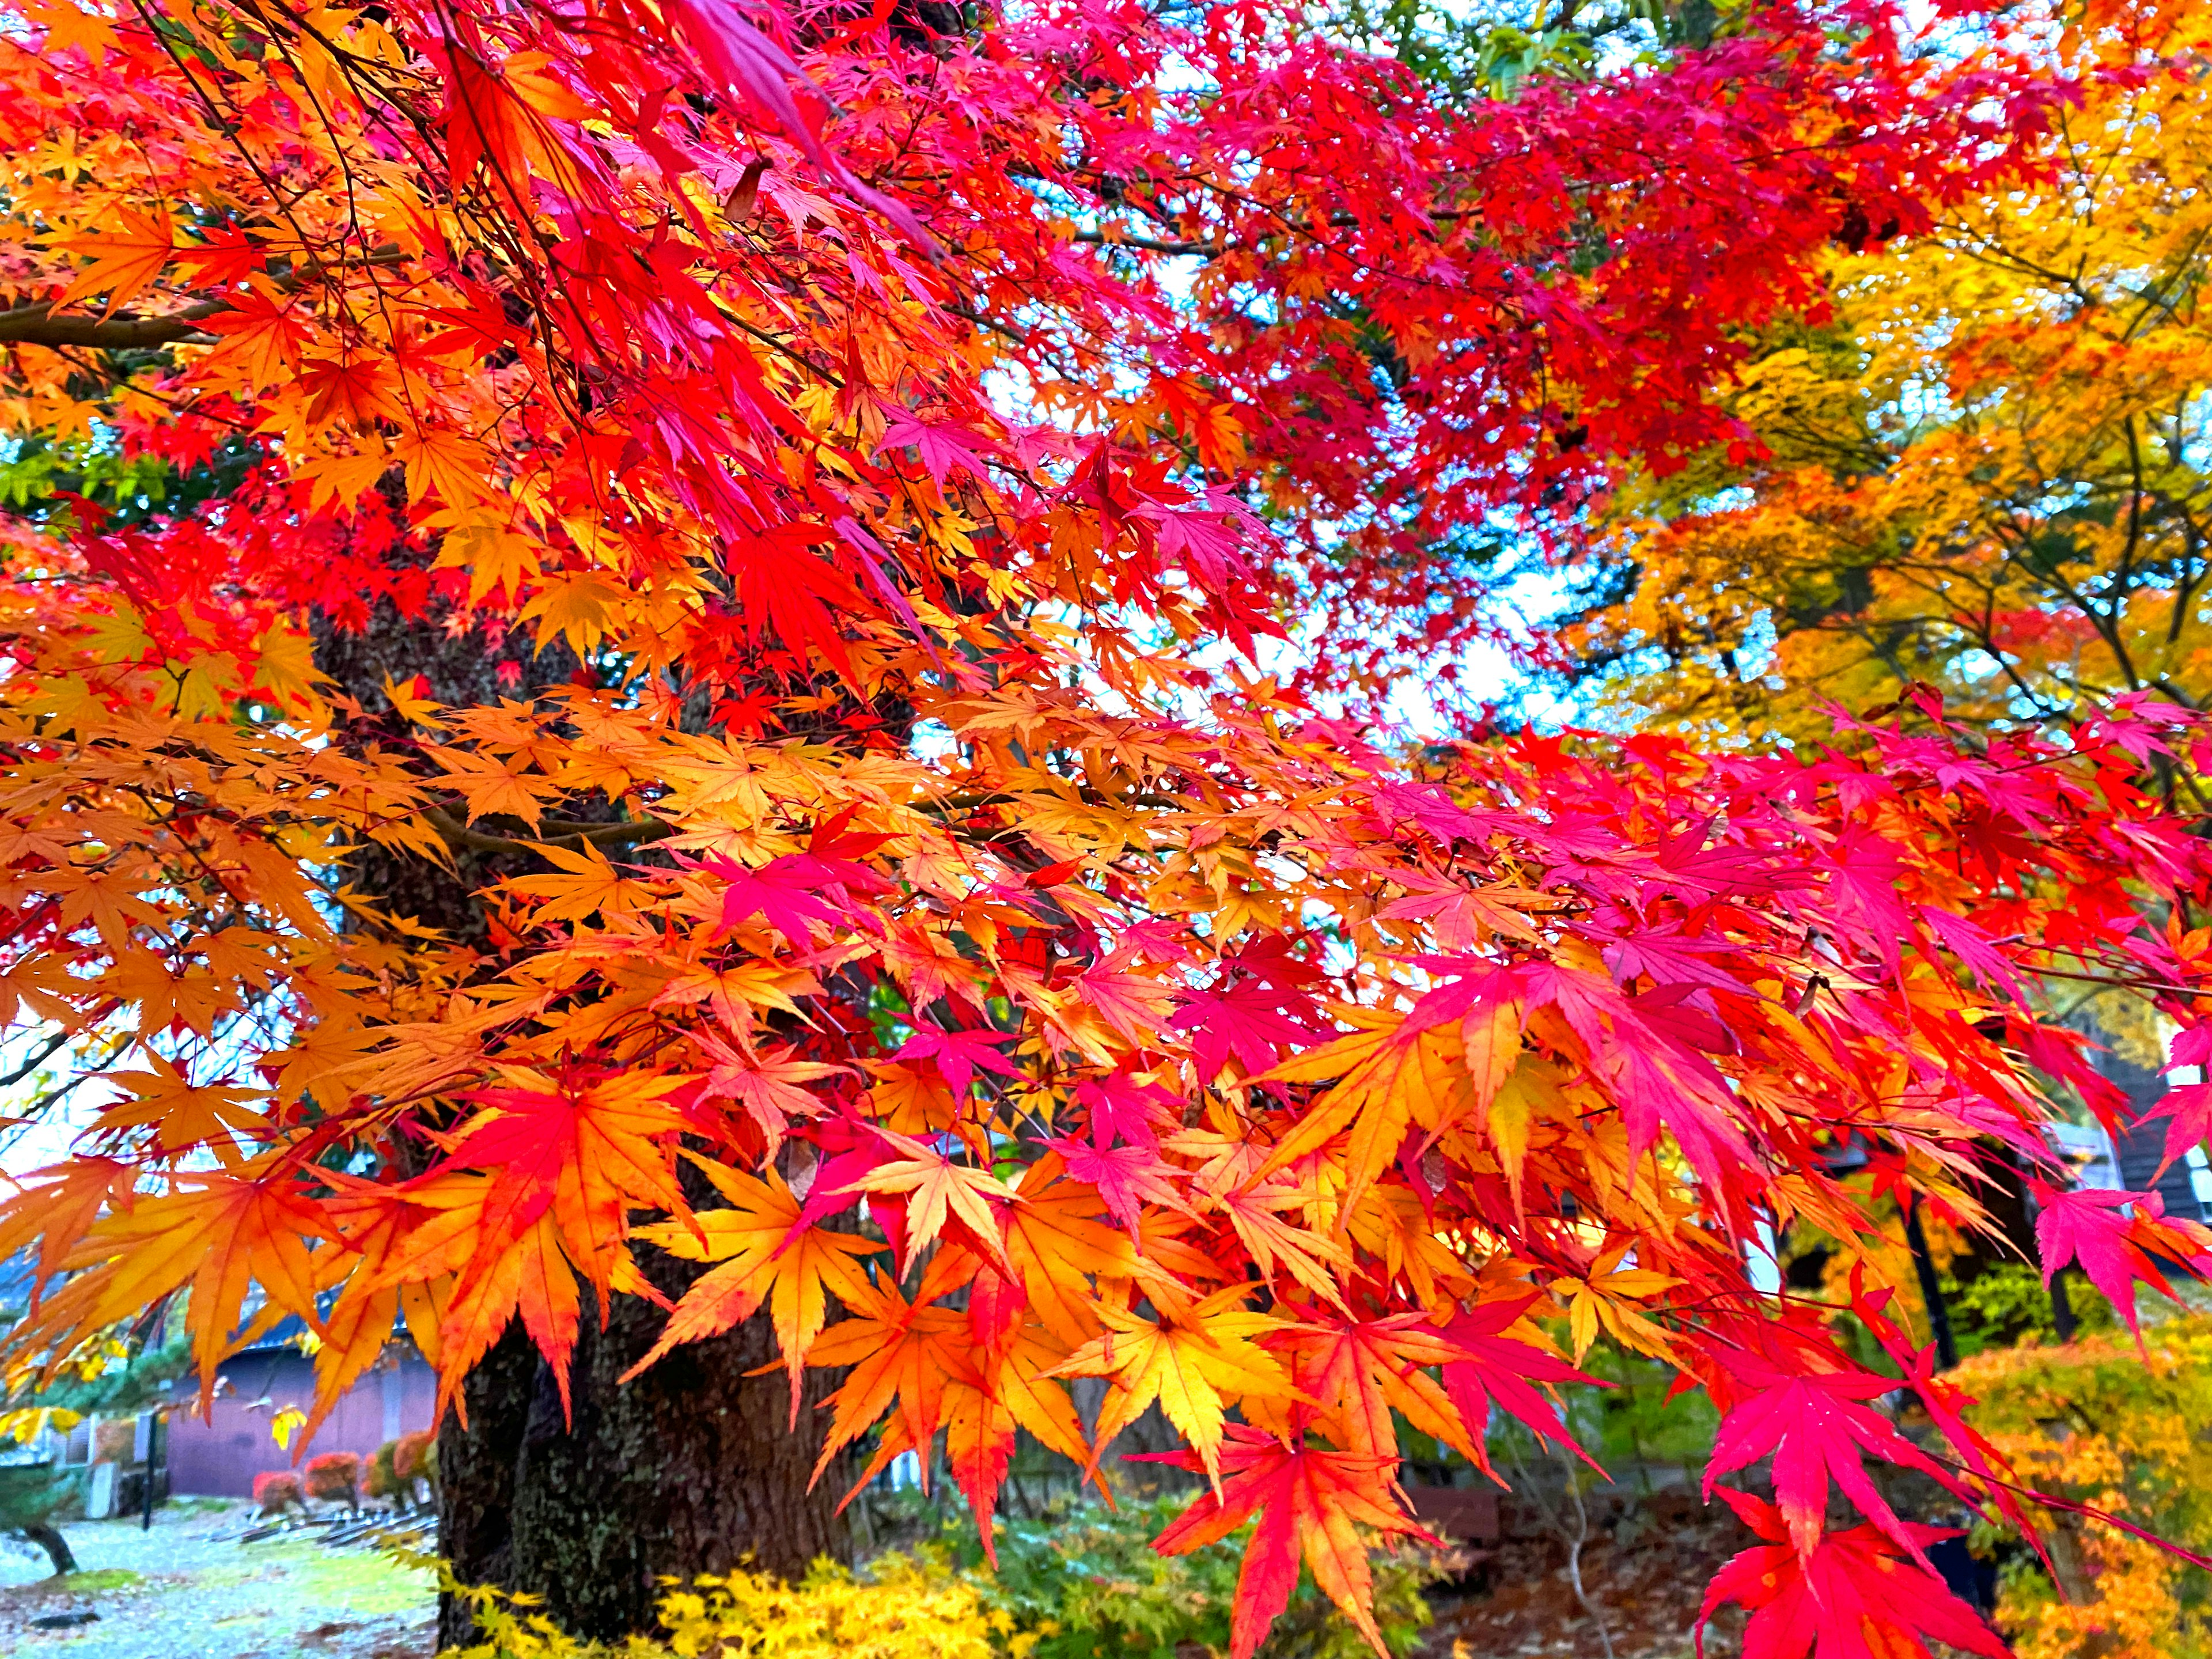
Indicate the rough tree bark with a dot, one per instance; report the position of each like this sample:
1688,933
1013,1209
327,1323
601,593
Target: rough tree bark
691,1468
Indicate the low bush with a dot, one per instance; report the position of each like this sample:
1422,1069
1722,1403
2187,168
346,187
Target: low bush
898,1608
415,1456
334,1477
2095,1423
1085,1583
380,1478
277,1491
1089,1582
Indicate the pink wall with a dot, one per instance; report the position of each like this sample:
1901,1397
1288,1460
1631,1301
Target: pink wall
219,1458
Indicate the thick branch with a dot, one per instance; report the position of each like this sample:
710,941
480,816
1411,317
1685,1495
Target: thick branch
37,325
574,833
458,835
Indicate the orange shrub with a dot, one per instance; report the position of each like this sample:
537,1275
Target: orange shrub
334,1477
277,1491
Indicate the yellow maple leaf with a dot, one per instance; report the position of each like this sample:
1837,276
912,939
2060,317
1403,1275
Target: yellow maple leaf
578,607
762,1256
937,1188
590,885
68,25
1187,1359
495,554
451,465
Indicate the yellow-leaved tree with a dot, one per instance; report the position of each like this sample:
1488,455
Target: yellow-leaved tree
1984,467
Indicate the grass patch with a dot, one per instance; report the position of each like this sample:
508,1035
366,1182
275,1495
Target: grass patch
360,1582
89,1583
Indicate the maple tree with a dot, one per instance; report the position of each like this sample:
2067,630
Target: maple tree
895,896
1978,462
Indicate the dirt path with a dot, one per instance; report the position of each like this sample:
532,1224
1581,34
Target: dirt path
188,1589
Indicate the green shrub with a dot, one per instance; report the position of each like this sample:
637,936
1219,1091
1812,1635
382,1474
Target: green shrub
1087,1581
381,1478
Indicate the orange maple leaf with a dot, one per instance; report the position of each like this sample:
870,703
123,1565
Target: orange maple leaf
124,263
903,1354
219,1234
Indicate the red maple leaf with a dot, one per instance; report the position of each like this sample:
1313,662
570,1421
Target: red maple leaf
1123,1110
1854,1597
1244,1019
941,447
1127,1177
1309,1500
959,1054
1816,1425
2106,1232
798,888
1499,1370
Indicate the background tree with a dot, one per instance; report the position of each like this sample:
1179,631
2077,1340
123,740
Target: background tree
114,1382
1978,464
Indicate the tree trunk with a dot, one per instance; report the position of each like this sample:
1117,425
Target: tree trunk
1931,1287
49,1538
691,1468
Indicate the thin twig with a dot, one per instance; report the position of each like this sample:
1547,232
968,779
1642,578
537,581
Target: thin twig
36,1060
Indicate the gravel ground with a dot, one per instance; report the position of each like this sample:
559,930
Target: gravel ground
188,1589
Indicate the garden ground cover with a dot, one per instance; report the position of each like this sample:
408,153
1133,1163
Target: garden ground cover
188,1588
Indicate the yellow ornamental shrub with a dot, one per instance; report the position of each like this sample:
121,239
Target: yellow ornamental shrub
2098,1424
898,1609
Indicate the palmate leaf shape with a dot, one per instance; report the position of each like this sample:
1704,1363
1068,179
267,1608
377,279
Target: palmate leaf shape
121,261
1196,1359
959,1054
184,1114
1817,1428
769,1085
580,1148
2111,1234
1856,1597
1487,1366
903,1356
764,1254
1311,1503
1015,1391
935,1189
218,1235
1361,1370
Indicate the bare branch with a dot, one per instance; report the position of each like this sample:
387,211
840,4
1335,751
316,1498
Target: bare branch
37,325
